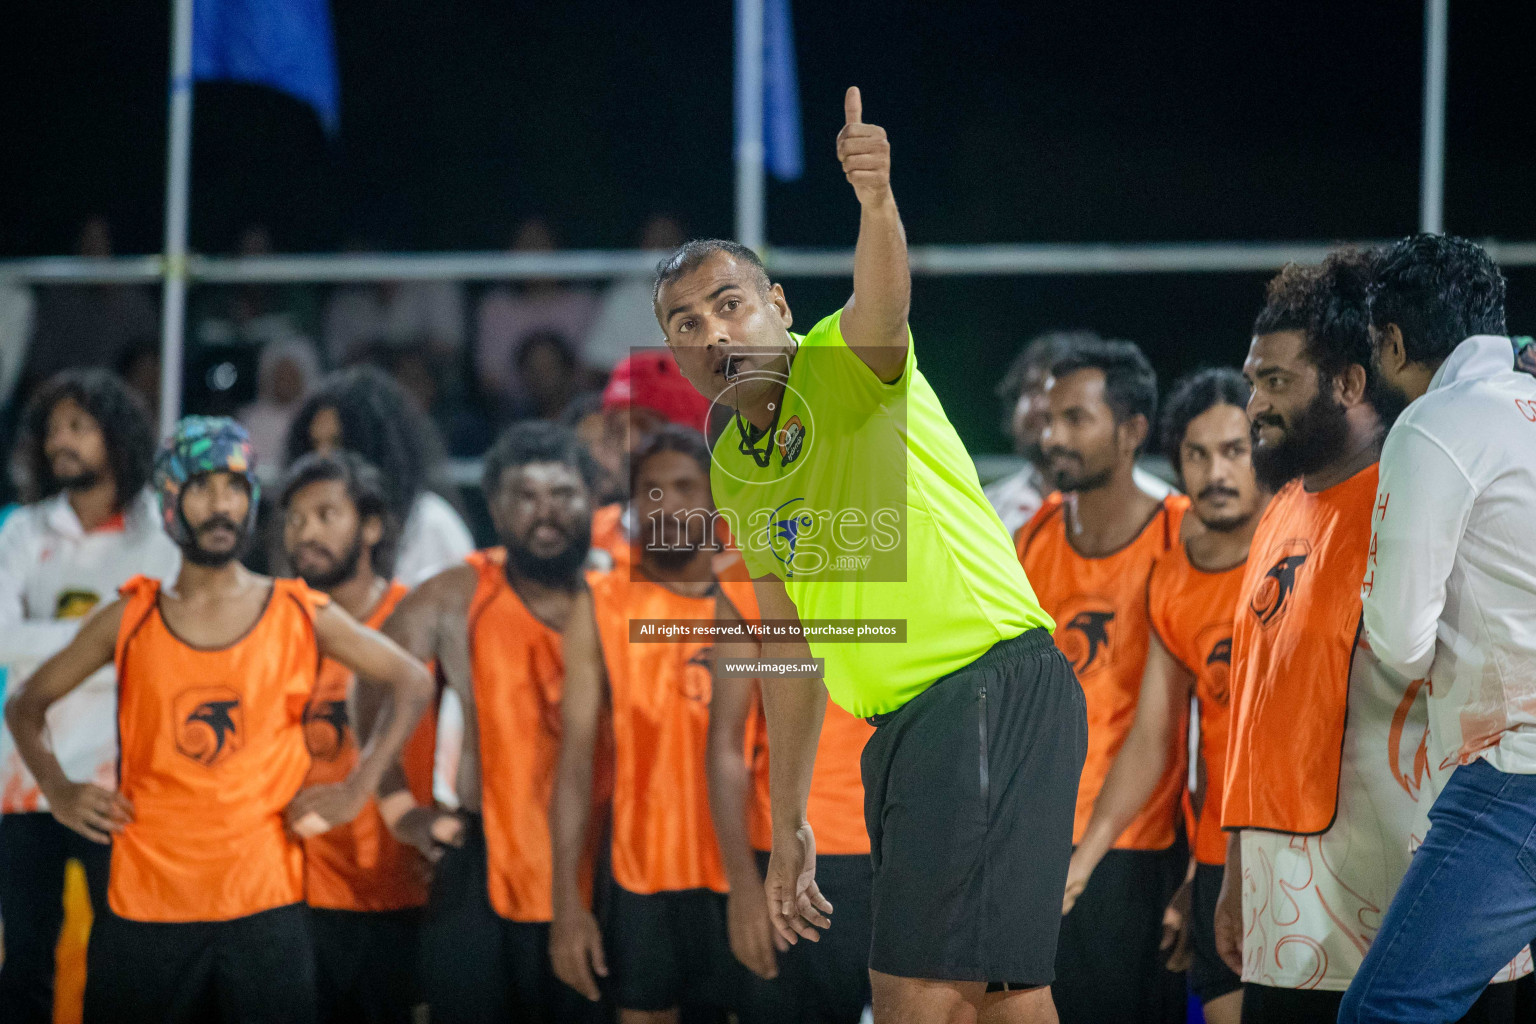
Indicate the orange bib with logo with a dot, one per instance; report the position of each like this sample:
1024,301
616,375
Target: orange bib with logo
1192,612
213,750
1100,608
1292,643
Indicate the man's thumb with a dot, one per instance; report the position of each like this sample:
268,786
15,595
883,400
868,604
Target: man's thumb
853,106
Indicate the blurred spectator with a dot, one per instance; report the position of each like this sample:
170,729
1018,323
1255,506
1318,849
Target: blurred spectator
289,370
139,366
547,367
584,415
507,315
627,319
253,314
88,324
364,410
647,390
466,427
397,314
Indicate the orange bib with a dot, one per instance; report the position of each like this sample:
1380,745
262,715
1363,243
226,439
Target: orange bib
518,669
608,534
212,752
663,836
836,806
1192,613
1292,642
1100,608
360,866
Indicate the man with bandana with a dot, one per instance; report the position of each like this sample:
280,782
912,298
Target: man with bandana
206,912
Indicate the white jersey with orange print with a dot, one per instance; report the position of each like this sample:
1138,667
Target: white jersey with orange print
53,573
1313,904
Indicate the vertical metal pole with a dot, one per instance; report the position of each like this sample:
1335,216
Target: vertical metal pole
1432,169
177,186
750,200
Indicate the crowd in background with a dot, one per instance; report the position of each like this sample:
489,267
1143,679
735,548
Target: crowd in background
472,358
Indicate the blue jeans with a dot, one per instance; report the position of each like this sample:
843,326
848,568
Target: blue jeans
1465,908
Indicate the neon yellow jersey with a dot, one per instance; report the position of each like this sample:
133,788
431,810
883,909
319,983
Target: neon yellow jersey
869,509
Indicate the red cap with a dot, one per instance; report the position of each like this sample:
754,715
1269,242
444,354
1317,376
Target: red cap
651,380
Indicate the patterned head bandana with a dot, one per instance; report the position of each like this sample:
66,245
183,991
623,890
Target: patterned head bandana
202,444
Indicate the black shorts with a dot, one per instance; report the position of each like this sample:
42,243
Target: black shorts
826,982
670,949
252,969
477,966
1109,969
969,794
365,965
1209,976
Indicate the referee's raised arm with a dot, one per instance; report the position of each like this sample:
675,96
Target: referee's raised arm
875,319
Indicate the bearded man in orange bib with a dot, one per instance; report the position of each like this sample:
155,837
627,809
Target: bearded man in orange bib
1191,594
1327,780
206,916
365,887
1089,551
492,625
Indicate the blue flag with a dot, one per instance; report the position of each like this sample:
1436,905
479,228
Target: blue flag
283,44
781,94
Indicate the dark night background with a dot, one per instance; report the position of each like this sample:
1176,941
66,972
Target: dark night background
1010,123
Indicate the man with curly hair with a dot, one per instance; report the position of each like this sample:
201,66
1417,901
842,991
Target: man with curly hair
87,448
1326,779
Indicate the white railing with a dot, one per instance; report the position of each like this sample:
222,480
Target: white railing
593,264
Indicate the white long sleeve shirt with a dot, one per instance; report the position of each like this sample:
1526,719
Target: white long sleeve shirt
1450,584
52,574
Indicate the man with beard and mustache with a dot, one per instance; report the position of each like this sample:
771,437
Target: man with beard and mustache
1190,596
205,912
493,626
1449,591
1019,495
1326,778
88,447
1090,550
850,496
666,939
365,887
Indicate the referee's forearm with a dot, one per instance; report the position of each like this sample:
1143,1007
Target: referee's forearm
882,276
794,707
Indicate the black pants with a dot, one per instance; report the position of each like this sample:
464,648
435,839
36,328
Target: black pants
33,851
258,969
1109,969
365,965
825,982
1263,1004
475,965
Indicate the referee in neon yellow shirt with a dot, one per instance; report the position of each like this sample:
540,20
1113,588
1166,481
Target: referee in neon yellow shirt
852,499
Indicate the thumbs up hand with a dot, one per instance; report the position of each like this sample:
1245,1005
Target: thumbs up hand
865,153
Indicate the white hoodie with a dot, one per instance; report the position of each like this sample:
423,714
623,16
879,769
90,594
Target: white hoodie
1450,584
